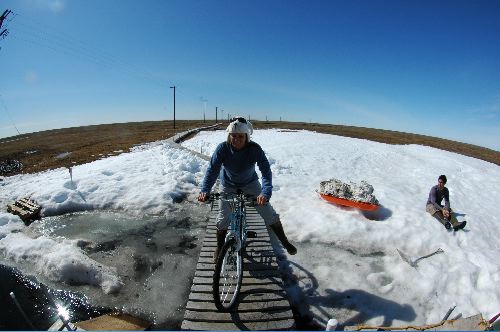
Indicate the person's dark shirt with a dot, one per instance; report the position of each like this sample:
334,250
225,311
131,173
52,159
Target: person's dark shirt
436,196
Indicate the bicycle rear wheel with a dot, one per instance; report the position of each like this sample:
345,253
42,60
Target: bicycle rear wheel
227,276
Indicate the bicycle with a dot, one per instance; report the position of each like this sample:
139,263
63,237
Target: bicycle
228,272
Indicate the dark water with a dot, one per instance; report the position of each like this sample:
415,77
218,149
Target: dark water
38,302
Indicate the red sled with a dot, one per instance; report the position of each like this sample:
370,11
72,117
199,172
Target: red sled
346,202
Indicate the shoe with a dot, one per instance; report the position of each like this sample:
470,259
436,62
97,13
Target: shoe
447,225
290,248
251,234
460,225
280,234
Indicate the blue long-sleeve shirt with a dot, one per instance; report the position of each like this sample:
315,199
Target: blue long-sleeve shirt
237,168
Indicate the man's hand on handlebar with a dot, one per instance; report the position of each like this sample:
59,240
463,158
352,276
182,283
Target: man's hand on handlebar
203,197
261,200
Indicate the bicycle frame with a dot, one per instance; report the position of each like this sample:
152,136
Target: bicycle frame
238,226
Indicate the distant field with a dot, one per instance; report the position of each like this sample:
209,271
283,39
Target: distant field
73,146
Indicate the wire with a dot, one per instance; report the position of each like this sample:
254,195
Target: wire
35,32
8,114
27,30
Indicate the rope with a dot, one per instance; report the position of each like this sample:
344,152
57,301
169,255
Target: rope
482,323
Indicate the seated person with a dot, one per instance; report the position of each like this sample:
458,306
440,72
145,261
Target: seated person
443,214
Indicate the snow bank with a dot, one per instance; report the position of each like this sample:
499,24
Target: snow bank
147,180
59,261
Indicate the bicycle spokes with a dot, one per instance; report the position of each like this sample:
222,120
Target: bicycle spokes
227,277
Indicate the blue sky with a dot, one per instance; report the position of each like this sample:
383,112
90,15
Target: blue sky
426,67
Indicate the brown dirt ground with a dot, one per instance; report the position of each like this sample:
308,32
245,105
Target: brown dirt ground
73,146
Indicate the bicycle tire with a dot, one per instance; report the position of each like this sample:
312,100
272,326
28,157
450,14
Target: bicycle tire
227,278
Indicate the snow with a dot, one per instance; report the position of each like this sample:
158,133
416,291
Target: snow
146,180
467,274
362,192
347,262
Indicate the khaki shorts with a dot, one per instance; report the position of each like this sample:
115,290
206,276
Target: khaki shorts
267,212
432,209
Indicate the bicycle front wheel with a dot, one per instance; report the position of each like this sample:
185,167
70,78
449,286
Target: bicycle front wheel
227,276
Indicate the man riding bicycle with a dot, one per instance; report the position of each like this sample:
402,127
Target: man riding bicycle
237,158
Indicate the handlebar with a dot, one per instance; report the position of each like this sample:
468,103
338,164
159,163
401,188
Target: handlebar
233,197
248,200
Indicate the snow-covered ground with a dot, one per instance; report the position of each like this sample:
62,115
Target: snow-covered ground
347,261
347,266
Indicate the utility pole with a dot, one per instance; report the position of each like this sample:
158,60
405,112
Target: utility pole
222,116
215,114
204,107
173,87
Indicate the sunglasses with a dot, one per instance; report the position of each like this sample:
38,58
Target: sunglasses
239,119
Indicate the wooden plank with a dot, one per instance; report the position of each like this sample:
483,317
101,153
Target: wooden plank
243,297
242,317
250,253
246,259
210,246
245,281
11,208
260,229
27,207
245,288
26,201
274,273
248,266
258,242
249,243
279,304
261,233
274,325
252,257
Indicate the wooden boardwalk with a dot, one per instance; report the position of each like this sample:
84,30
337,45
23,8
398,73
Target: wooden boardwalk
262,305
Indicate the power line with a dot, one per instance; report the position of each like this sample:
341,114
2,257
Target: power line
8,114
32,31
27,30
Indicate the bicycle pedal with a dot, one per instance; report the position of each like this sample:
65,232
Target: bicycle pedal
251,234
